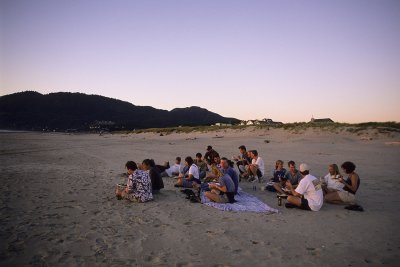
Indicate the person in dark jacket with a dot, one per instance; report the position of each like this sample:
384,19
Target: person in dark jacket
156,180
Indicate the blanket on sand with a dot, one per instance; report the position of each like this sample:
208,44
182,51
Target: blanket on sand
244,202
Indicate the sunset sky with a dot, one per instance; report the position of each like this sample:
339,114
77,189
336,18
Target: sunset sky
285,60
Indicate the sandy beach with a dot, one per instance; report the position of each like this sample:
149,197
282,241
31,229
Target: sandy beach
58,206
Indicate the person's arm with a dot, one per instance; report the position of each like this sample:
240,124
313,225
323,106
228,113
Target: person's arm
129,183
353,186
220,188
289,186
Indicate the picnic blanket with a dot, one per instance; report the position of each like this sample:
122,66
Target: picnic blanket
244,202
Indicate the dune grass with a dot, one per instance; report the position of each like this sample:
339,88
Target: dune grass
296,127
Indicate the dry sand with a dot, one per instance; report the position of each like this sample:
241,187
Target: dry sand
58,206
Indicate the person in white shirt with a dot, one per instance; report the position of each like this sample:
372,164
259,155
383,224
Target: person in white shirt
175,169
193,175
256,168
330,182
308,194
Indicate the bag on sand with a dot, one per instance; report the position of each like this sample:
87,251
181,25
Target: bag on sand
354,207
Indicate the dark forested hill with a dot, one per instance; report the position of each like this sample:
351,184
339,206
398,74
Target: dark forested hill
61,111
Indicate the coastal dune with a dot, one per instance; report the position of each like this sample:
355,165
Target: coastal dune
58,205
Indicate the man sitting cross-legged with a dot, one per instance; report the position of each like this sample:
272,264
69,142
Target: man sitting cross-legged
223,191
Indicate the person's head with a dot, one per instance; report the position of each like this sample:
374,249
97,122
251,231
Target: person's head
199,156
217,160
224,163
189,161
152,163
146,164
304,169
131,166
278,164
292,166
253,153
178,160
209,148
242,149
348,167
333,169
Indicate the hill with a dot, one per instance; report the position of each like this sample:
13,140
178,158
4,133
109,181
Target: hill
62,111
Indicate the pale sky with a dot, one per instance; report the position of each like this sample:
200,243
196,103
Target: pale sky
285,60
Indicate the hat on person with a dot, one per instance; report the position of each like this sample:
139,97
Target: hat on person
304,167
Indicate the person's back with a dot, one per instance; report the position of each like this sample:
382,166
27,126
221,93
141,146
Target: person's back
156,179
141,186
310,187
232,173
226,180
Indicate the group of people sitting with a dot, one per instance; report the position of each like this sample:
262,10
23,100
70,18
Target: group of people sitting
308,192
217,178
143,181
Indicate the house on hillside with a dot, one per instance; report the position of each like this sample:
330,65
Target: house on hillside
271,122
260,122
222,124
253,122
325,120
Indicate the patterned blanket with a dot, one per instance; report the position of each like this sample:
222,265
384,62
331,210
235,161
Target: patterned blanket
244,202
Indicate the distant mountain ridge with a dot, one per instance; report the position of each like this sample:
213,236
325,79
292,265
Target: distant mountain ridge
31,110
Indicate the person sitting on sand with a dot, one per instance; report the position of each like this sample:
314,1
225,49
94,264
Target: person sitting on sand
243,159
279,171
308,194
202,165
350,186
293,175
255,170
138,187
277,176
330,182
227,169
212,175
223,191
156,179
210,155
173,170
193,175
216,165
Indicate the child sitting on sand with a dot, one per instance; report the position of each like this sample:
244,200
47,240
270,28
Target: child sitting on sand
138,187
